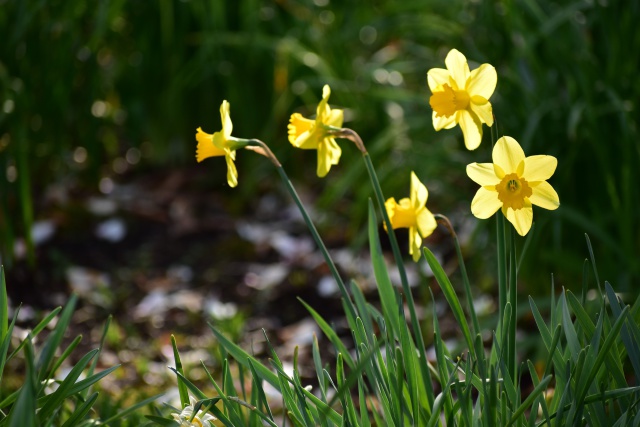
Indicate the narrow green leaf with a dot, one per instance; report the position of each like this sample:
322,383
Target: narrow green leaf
81,411
182,388
55,338
131,409
529,400
387,293
23,412
451,297
330,333
4,306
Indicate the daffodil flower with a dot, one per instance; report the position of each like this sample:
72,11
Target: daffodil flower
314,134
460,96
221,144
412,213
514,183
184,418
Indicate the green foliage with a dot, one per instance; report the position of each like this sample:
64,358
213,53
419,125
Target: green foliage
43,399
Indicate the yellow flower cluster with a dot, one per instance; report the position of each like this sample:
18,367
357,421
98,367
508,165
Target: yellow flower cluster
512,183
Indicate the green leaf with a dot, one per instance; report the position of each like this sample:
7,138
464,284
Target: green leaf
81,411
388,297
451,297
23,413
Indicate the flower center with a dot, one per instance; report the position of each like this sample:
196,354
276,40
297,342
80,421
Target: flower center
447,101
512,191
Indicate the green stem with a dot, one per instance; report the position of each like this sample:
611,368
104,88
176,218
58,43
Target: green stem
502,271
353,136
463,271
318,240
513,299
262,148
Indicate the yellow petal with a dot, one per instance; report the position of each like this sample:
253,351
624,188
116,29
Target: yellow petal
443,122
418,193
334,118
521,218
471,128
205,146
437,77
458,67
482,173
544,196
232,172
485,203
415,243
482,81
328,154
426,223
539,168
390,206
323,109
300,131
507,154
225,117
483,109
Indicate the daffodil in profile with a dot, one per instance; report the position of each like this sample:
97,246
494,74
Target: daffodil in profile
412,213
513,183
220,144
461,97
314,134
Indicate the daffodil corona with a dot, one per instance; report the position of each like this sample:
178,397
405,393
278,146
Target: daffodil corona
460,96
413,214
314,134
220,144
513,183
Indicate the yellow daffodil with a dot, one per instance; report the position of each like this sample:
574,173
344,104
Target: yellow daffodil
514,183
313,134
220,144
460,96
412,213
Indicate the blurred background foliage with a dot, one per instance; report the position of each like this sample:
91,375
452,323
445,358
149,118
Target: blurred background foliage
92,93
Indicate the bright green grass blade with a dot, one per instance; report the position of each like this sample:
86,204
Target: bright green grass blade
55,338
330,333
4,344
442,364
243,357
388,297
613,363
541,399
451,297
67,351
88,382
609,341
364,314
162,421
259,390
626,334
182,388
198,394
317,362
547,340
573,343
94,362
23,413
66,387
4,307
529,400
364,414
39,327
81,411
131,409
593,263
